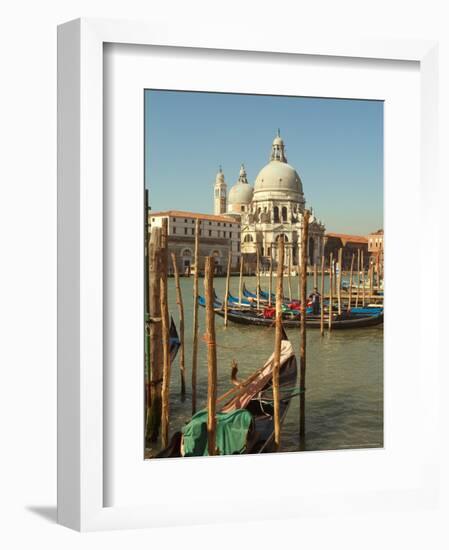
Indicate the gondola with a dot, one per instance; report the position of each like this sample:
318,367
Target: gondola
174,341
343,321
263,296
254,395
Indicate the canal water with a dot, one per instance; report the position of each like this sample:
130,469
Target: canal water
344,379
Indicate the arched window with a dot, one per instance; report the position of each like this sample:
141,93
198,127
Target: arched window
284,213
216,253
186,253
276,214
248,239
285,238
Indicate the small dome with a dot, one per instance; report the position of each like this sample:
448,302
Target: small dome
241,192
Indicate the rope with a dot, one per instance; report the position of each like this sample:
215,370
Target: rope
299,392
208,340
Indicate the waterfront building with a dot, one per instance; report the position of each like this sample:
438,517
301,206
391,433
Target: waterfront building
219,234
350,245
274,207
376,243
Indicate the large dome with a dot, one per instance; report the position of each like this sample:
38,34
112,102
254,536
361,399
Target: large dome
278,180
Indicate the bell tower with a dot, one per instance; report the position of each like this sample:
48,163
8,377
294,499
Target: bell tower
220,193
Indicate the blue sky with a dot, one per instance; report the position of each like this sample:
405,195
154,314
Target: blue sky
336,146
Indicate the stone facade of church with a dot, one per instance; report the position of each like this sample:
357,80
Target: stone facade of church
274,206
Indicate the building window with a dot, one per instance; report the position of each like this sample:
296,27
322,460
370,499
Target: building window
174,230
276,214
185,221
174,219
210,233
193,231
210,223
248,239
185,230
284,213
193,221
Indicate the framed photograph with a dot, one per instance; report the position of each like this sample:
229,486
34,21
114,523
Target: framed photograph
224,274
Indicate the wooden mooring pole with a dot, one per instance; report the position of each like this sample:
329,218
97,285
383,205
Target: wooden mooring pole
278,344
211,356
147,303
299,270
358,279
258,275
179,301
241,280
289,274
270,286
322,297
195,315
363,281
331,273
303,339
340,269
335,276
350,283
165,336
155,329
226,297
377,272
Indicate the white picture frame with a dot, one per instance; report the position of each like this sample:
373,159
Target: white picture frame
81,474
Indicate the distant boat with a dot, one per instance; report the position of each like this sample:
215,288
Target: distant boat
366,285
357,318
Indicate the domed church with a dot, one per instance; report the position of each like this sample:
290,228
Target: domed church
274,207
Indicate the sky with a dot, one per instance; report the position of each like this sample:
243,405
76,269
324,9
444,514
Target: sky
335,145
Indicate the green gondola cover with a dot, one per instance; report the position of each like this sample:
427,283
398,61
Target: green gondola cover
232,432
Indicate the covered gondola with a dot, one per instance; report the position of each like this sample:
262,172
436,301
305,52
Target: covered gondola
250,400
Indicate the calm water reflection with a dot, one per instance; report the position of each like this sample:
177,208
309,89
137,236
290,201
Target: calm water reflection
344,404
